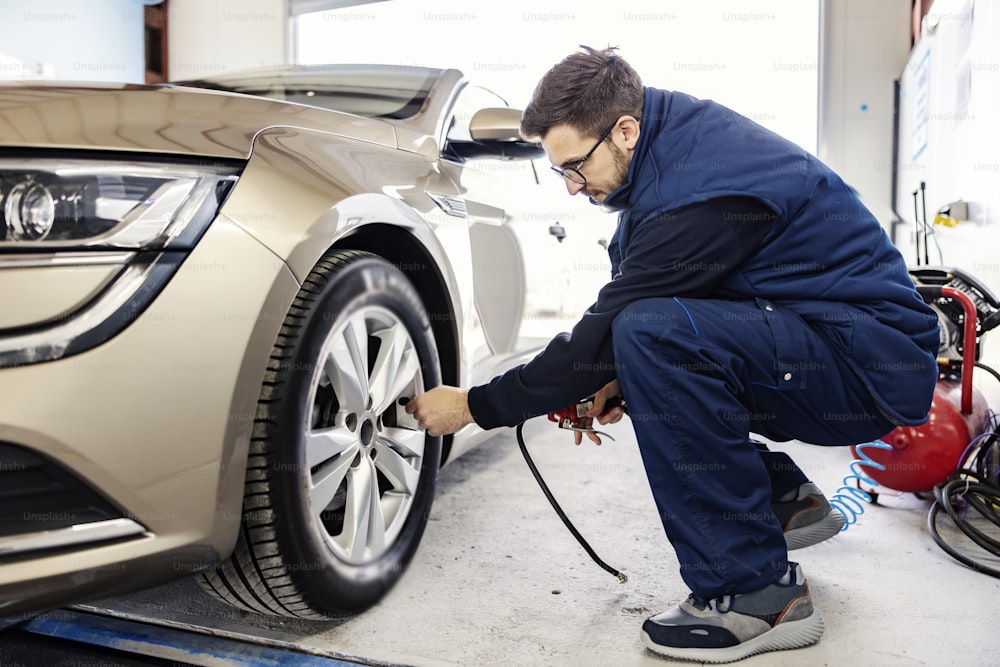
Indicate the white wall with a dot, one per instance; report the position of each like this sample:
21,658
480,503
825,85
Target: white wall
96,40
949,139
863,47
950,136
211,36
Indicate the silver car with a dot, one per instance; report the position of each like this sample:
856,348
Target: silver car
217,297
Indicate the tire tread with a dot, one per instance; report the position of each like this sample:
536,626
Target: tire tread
243,580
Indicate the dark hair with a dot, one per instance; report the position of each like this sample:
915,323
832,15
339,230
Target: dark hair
588,89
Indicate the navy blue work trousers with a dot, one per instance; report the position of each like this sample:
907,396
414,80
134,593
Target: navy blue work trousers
699,376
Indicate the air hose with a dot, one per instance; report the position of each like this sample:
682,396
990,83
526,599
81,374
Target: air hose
622,578
850,499
972,488
976,487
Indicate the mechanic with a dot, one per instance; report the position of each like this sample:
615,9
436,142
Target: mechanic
752,293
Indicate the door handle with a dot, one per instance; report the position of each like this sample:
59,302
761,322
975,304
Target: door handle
558,231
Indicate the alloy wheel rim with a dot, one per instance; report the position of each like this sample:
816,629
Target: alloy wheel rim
363,459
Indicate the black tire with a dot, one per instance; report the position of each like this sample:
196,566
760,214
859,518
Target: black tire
328,415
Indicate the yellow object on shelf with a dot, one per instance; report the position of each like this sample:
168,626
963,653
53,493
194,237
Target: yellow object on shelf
942,219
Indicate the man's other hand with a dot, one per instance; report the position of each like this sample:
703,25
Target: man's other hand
442,410
609,416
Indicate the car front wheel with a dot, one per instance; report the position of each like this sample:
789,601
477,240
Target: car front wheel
339,481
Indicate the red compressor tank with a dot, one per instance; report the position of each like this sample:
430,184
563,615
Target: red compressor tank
926,455
923,456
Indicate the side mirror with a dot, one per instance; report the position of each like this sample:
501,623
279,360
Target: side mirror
496,133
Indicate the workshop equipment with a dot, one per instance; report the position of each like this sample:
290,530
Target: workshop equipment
956,453
920,457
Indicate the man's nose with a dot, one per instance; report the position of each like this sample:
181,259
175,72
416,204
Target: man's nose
573,188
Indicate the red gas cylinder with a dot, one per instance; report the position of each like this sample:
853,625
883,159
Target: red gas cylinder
924,456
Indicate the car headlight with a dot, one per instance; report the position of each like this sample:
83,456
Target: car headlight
141,216
52,203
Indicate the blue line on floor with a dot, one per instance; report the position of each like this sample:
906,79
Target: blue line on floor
167,643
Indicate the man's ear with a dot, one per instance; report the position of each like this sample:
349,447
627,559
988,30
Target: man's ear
629,127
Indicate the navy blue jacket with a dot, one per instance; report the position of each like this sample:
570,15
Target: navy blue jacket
805,243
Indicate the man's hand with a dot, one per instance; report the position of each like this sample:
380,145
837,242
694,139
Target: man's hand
442,410
612,416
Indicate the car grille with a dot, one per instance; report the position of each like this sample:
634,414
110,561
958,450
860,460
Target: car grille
45,505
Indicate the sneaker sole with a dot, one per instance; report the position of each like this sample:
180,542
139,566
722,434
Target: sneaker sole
788,635
814,533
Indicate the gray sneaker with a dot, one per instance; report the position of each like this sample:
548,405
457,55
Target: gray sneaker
806,517
733,627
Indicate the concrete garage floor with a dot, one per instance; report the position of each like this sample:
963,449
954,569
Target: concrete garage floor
499,581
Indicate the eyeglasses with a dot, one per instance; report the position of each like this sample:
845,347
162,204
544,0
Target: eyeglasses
572,174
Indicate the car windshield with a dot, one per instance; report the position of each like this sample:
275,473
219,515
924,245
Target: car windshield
378,91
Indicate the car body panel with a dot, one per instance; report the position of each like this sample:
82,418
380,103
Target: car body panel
191,456
54,290
300,217
159,119
111,569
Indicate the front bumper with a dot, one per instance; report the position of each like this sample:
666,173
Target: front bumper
154,422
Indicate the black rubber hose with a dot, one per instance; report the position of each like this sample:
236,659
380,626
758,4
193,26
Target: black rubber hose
971,488
973,492
562,515
991,371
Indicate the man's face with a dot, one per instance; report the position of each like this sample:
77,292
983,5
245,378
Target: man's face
605,169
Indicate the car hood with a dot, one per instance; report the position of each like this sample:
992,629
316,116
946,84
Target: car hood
125,117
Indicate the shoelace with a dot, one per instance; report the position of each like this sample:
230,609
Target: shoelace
722,604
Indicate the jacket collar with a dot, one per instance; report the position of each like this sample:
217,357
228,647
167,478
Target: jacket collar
655,104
